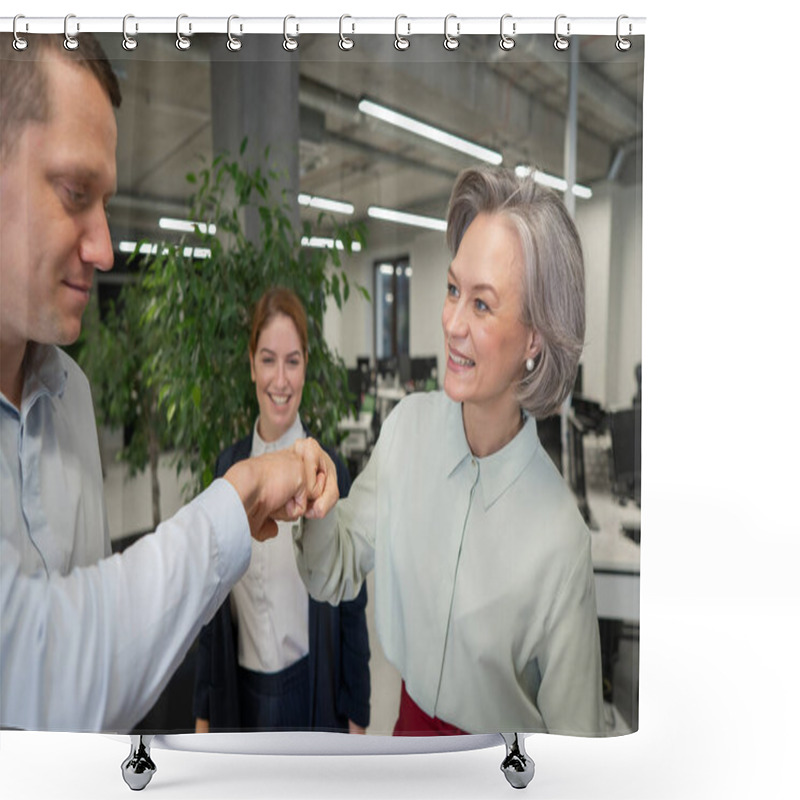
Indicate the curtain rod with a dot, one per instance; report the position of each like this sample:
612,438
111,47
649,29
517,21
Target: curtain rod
402,26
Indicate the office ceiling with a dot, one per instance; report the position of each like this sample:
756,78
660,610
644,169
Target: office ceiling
515,102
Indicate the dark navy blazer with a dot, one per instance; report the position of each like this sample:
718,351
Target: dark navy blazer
338,649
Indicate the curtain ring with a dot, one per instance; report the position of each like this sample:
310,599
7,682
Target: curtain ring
561,43
400,42
128,42
344,42
233,44
507,42
451,42
182,43
19,43
289,43
70,42
623,44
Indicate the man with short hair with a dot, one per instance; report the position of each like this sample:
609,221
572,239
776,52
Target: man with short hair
89,640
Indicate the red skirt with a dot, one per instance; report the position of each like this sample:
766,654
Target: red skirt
413,721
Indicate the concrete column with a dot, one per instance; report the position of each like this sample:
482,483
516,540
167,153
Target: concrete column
254,94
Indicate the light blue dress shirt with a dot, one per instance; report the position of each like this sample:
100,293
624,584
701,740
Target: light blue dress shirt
484,588
90,640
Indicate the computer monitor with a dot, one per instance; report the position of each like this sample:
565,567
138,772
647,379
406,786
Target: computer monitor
577,471
355,386
424,369
404,369
387,366
578,386
626,453
549,430
590,413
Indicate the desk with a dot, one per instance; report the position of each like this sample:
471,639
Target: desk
615,558
359,433
393,393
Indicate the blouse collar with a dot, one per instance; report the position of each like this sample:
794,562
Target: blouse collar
287,439
497,471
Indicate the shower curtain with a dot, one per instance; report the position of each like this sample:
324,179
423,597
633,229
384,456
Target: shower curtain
380,125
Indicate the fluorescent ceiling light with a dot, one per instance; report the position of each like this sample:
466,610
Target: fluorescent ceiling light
322,241
186,226
197,252
148,249
336,206
554,182
429,131
582,191
388,214
145,248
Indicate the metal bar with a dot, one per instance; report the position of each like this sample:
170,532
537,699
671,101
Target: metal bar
353,26
571,131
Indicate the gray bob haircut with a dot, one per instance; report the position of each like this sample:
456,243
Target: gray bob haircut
553,280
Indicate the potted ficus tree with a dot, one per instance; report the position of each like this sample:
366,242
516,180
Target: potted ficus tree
113,351
178,337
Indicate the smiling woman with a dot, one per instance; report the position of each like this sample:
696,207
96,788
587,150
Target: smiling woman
272,658
278,360
528,241
487,342
483,571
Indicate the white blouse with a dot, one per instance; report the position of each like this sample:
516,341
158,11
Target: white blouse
270,601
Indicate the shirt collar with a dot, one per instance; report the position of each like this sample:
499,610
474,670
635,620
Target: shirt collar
45,373
498,471
457,449
292,434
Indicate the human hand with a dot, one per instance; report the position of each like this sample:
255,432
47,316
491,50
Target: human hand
201,725
354,728
326,489
284,485
270,486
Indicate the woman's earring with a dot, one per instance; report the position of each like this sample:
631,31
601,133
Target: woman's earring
530,364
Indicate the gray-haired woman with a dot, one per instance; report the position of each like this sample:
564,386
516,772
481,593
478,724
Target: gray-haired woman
484,589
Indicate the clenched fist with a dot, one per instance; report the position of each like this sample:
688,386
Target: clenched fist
285,485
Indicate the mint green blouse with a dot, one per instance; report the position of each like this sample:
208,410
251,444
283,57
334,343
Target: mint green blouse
484,589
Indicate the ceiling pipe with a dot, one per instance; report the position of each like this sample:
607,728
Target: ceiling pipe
620,156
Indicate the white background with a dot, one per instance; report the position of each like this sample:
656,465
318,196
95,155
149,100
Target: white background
720,605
